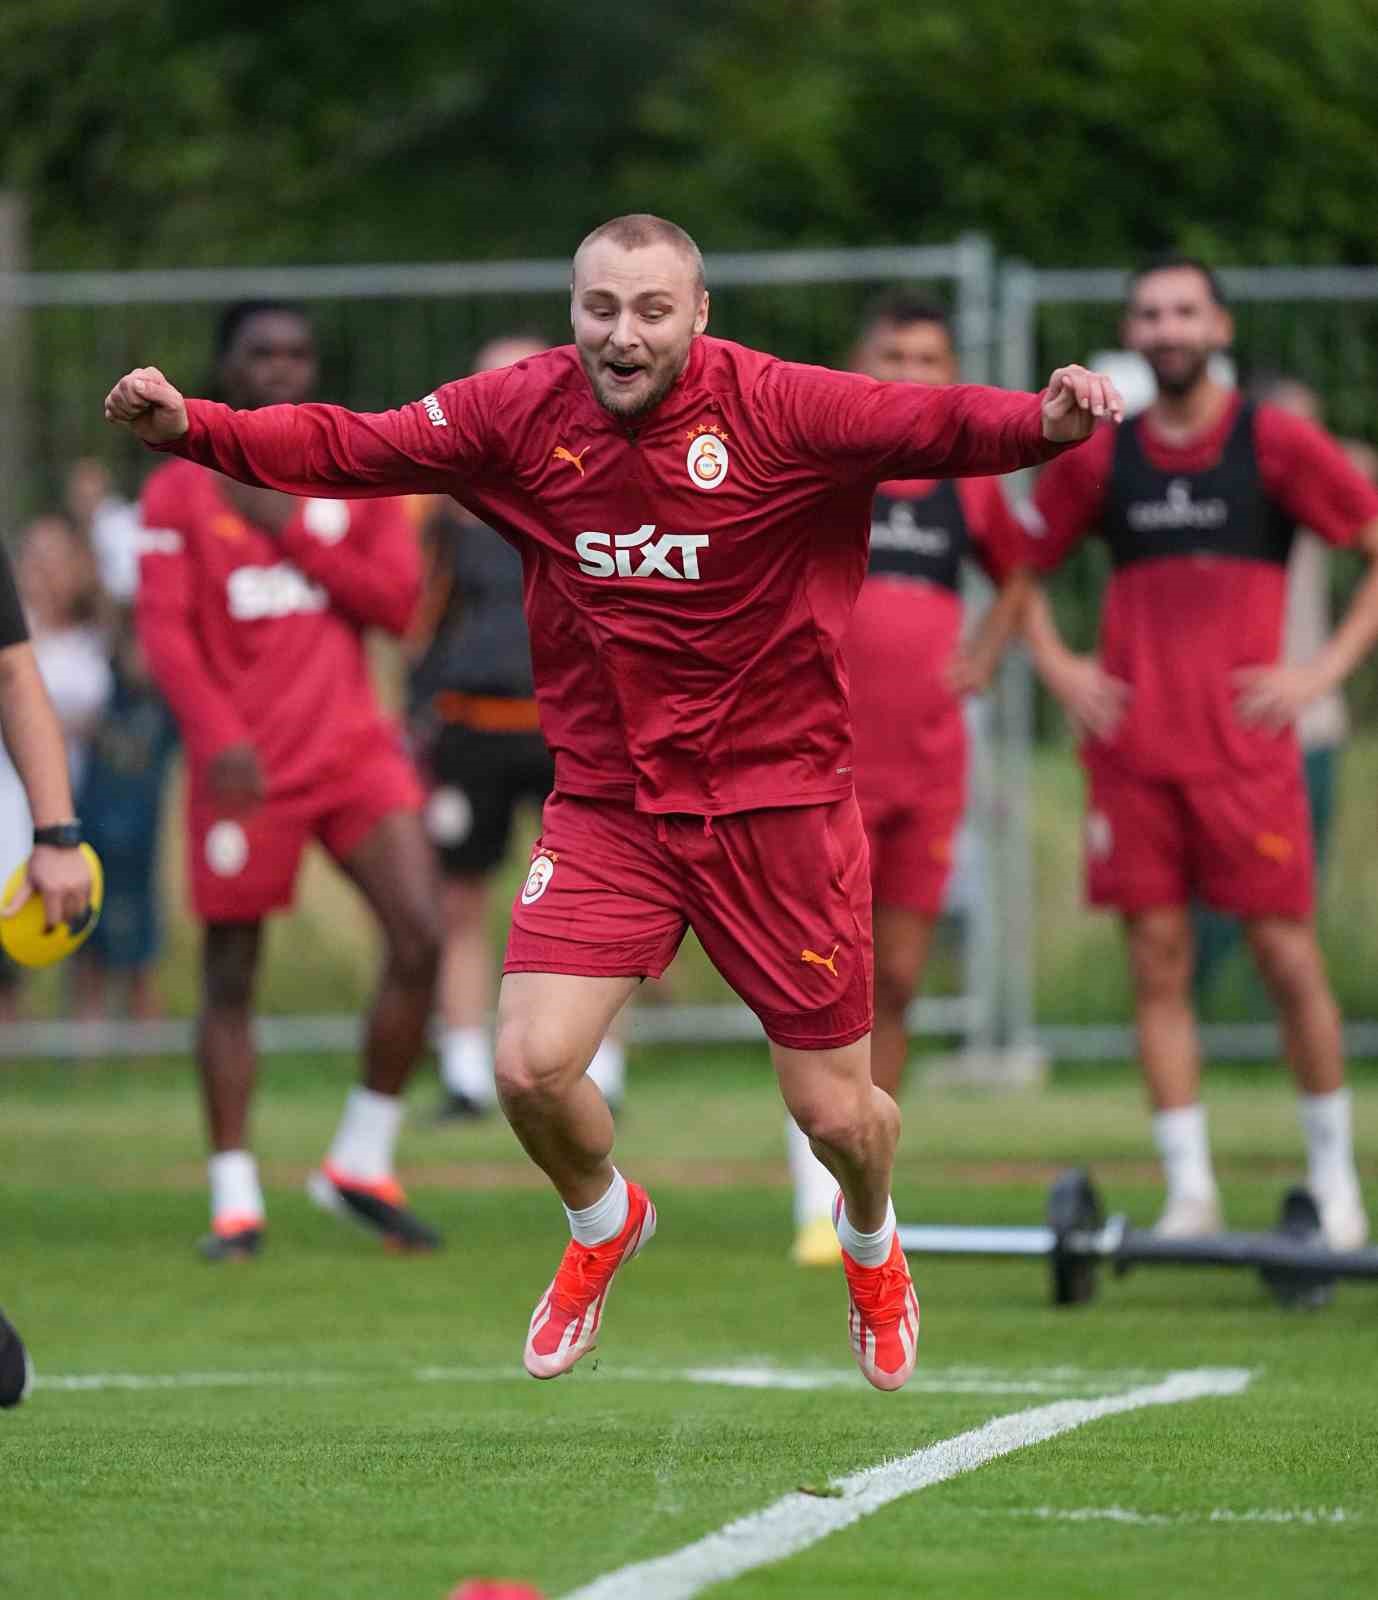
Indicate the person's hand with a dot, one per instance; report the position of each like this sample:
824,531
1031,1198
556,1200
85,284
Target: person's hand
969,672
268,509
62,878
147,404
1075,400
1274,697
1091,697
235,777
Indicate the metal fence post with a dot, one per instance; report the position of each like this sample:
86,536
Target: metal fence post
14,366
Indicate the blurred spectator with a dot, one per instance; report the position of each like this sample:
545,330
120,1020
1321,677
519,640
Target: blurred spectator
1323,725
120,802
58,587
110,525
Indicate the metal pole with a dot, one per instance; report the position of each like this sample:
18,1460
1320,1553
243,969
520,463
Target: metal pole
14,365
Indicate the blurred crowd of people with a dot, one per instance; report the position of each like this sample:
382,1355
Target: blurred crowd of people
77,572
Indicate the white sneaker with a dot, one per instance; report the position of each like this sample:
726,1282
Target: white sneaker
1190,1216
1343,1220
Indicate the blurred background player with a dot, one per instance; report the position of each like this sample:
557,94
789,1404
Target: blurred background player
252,607
473,713
33,739
1189,714
908,671
1323,727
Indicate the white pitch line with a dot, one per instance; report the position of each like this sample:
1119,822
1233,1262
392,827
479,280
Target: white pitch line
796,1521
755,1375
1321,1516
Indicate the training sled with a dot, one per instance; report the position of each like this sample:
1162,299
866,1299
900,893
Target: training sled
1293,1261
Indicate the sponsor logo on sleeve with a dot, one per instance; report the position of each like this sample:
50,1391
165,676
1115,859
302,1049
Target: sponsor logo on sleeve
707,461
1100,837
639,554
435,412
157,541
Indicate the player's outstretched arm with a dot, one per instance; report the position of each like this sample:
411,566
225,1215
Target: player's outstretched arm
147,404
316,450
1075,400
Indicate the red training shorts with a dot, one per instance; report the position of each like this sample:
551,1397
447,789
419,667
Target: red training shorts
912,834
780,900
243,865
1240,842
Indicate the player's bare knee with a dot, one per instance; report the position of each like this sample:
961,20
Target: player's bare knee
838,1122
1160,961
1289,961
532,1064
414,945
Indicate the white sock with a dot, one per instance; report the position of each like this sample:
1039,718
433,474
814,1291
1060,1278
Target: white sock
867,1249
1327,1123
367,1135
1180,1136
814,1185
235,1191
608,1069
605,1218
466,1064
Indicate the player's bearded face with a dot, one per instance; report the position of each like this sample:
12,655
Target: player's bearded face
635,315
1176,325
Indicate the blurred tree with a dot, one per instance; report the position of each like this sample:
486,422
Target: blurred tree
148,131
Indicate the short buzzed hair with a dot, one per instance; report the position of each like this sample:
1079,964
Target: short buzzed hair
900,308
640,229
1176,261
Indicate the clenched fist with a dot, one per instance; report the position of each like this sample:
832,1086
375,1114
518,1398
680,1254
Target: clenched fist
147,404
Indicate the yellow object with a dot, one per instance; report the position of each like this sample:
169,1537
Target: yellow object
22,934
815,1245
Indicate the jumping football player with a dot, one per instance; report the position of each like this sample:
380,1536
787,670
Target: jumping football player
692,519
1189,713
252,607
909,669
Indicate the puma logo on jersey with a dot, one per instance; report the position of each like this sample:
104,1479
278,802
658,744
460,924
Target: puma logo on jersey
811,958
605,555
255,593
435,412
577,462
1274,847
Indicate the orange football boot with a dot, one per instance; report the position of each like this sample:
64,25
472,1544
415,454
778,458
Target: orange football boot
882,1315
564,1325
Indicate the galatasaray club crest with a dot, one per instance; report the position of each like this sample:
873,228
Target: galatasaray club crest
707,459
538,879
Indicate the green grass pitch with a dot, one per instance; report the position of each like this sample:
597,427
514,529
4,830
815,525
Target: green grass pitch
330,1423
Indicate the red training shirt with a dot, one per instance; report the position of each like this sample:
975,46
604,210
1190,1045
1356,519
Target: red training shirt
906,629
689,575
257,638
1178,627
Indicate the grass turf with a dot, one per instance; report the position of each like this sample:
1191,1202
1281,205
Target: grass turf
389,1446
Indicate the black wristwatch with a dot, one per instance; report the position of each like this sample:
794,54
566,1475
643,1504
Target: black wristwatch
63,835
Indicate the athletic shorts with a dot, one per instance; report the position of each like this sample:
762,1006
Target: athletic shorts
243,865
479,779
780,900
1240,842
912,834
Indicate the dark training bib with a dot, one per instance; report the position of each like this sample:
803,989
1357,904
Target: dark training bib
1151,515
920,536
